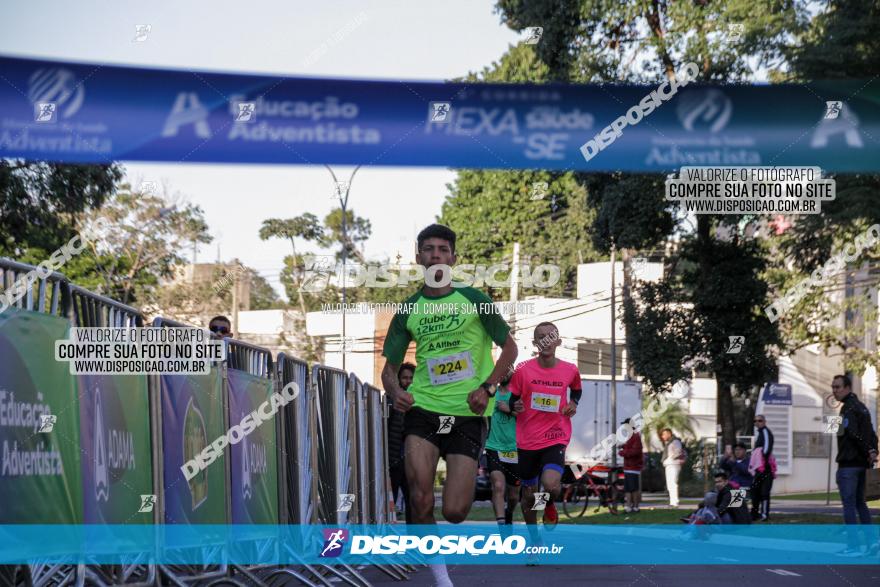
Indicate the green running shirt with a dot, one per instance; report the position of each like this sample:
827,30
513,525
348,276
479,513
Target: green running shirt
453,335
502,431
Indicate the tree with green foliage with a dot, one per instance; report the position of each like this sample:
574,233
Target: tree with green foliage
841,42
41,204
305,227
665,413
357,231
140,246
644,41
490,210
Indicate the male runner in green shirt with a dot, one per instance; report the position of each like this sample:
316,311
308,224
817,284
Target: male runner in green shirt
453,328
501,456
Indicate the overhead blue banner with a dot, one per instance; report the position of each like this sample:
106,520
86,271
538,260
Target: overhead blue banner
96,113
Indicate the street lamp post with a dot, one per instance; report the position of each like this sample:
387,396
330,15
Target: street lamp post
343,203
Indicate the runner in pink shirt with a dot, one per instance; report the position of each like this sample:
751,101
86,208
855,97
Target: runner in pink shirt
540,390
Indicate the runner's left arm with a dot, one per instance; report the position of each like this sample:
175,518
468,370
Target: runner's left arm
509,352
575,387
498,330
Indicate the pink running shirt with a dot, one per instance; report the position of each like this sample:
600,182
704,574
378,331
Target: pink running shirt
544,394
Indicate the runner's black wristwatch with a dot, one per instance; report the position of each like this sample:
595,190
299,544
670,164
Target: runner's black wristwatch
490,389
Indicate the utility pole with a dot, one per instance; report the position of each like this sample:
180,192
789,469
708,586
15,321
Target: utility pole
514,288
343,203
235,303
613,351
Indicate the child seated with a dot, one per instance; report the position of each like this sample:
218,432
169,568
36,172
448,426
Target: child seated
706,513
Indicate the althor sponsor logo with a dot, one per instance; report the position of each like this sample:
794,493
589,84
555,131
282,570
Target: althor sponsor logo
248,424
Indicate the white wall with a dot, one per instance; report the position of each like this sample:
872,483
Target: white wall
806,474
265,321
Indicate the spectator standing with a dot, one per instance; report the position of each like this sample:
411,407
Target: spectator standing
633,462
396,460
674,457
856,453
763,478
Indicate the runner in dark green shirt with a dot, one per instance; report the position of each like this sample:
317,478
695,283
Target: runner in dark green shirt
501,457
453,329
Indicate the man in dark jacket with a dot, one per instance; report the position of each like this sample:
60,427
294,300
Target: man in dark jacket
856,451
396,463
763,481
731,507
633,462
736,463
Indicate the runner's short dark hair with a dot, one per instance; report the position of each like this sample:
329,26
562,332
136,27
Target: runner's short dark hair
221,318
546,324
437,231
722,473
847,382
741,445
406,367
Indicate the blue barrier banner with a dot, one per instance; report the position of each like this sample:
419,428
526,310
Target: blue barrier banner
460,544
115,444
254,487
192,418
78,112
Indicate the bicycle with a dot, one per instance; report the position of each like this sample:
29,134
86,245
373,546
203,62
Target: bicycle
600,482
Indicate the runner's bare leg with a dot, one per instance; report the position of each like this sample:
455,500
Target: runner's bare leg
421,468
550,479
458,492
499,486
528,502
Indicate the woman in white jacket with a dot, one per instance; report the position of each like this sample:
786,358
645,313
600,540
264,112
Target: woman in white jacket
673,459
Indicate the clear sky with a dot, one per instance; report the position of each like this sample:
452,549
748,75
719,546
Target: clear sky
392,39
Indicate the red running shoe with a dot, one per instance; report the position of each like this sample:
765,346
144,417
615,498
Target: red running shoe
551,516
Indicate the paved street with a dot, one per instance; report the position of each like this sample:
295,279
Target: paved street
654,576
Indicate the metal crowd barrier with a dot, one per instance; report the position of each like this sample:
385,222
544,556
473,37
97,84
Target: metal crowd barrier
359,463
332,415
92,310
297,446
181,575
52,294
378,451
49,295
331,440
257,361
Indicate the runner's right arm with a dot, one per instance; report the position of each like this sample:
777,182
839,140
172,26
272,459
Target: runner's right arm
396,342
515,387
